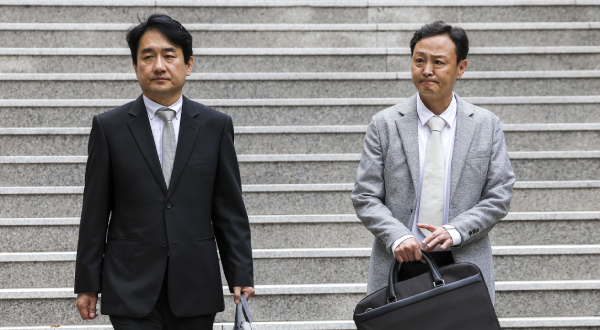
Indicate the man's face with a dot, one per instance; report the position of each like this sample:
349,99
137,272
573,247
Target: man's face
161,69
434,67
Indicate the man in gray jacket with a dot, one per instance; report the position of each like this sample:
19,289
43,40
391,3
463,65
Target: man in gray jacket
434,172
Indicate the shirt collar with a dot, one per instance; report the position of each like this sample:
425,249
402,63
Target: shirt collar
152,106
425,114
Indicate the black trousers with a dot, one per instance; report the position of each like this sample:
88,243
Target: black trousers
161,318
415,268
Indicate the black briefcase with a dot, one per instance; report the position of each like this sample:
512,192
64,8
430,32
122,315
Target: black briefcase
452,297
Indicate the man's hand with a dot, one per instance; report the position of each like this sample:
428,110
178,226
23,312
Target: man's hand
439,235
86,304
237,293
409,250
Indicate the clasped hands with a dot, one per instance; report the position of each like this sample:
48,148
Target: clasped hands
410,249
86,302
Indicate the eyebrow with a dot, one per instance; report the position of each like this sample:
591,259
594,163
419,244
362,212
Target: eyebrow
150,50
434,55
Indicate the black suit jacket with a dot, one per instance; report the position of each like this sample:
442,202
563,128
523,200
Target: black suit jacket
126,258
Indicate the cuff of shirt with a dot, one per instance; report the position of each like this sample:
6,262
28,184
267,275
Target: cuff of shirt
456,238
400,240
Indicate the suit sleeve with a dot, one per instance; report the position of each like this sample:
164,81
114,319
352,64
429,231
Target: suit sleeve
230,220
495,197
97,197
368,195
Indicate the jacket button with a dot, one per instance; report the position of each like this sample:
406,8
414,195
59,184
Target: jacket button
164,244
168,205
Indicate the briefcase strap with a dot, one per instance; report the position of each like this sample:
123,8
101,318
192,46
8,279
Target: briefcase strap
242,312
395,269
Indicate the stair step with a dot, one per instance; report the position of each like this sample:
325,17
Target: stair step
528,50
524,250
237,60
329,288
325,218
282,188
303,85
24,202
319,111
327,266
383,102
316,302
72,141
558,127
267,158
297,169
300,11
317,231
506,323
304,35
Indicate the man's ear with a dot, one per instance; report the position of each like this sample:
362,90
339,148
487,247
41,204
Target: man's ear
190,65
462,66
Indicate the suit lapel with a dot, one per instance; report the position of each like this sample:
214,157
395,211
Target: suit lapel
142,133
466,126
188,133
408,130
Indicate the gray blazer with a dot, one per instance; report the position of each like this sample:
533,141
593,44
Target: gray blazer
385,193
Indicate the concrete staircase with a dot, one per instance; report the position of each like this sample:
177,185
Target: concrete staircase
301,80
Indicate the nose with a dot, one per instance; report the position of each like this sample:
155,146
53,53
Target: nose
428,69
159,64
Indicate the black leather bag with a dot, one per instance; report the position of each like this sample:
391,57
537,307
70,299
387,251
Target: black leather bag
449,298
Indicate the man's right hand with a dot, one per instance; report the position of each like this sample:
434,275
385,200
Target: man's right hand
409,250
86,304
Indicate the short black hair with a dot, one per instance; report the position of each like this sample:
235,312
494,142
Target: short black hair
456,34
172,29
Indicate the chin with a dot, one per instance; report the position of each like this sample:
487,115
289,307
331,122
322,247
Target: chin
428,91
160,88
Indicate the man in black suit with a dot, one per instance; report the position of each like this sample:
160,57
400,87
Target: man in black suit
164,170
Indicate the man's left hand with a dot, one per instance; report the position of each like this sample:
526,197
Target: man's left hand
439,235
237,293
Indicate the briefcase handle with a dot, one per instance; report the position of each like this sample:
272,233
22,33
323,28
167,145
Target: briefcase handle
433,269
242,312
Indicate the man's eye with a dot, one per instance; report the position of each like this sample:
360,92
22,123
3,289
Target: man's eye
439,62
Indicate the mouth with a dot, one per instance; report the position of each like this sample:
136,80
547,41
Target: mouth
160,79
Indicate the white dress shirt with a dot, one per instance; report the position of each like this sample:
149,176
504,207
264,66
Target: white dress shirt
157,124
448,133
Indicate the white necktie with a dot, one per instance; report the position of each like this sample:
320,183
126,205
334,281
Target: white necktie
431,209
169,146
